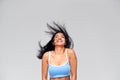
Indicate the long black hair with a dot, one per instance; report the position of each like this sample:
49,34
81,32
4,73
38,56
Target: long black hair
56,28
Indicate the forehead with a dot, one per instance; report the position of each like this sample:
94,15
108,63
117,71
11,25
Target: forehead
59,34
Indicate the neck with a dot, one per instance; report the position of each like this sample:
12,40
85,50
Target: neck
59,50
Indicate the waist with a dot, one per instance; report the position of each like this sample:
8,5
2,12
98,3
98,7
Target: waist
61,78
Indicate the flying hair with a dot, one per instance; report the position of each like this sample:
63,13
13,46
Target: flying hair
53,30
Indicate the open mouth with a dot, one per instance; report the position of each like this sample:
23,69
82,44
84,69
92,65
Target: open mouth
59,40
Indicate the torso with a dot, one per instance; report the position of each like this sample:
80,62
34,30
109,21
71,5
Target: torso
59,62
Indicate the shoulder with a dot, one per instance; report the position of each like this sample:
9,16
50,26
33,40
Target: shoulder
70,49
71,52
45,55
72,56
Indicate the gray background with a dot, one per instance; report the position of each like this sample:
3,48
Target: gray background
94,26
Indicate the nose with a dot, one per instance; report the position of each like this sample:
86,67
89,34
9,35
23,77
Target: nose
59,38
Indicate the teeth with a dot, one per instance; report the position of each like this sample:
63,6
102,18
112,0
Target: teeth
59,40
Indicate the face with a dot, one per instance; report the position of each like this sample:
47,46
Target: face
59,39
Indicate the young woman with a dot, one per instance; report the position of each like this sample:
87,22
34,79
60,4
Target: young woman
58,57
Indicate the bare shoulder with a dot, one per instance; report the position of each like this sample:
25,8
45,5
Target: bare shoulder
71,52
45,55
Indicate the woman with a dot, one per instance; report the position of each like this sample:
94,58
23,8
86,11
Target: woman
58,57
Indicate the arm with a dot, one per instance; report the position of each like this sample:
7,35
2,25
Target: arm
73,64
44,66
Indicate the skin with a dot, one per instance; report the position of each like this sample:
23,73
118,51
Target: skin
59,53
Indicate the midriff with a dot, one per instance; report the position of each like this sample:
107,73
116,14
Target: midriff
61,78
